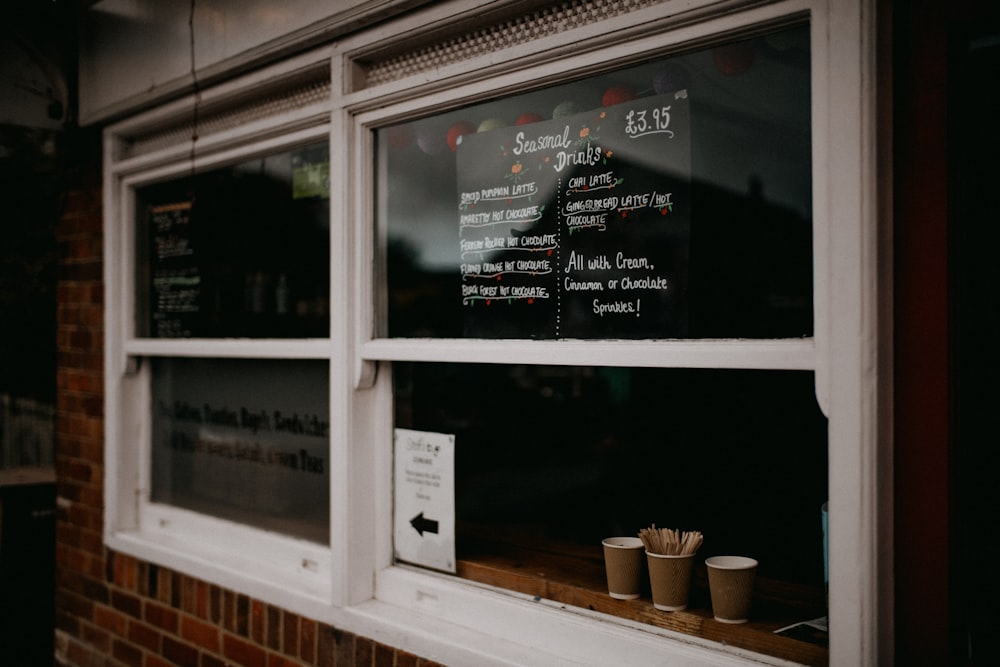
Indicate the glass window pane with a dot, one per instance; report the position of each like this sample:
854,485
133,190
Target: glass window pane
571,455
670,199
244,440
241,251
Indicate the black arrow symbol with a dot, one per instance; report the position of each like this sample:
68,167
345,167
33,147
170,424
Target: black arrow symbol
423,525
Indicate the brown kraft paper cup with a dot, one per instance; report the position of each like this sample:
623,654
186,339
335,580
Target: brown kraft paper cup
670,579
623,562
730,582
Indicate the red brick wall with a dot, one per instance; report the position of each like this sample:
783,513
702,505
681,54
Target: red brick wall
112,609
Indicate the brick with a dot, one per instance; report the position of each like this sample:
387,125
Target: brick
364,651
384,656
79,583
201,589
97,637
67,623
84,360
198,632
84,448
78,654
307,640
80,315
110,619
125,571
81,471
278,660
243,652
326,645
227,604
165,586
273,634
79,270
156,661
84,404
152,581
81,426
83,516
161,617
126,653
73,603
343,650
208,660
290,633
188,595
215,612
178,652
144,636
242,620
422,662
405,659
258,625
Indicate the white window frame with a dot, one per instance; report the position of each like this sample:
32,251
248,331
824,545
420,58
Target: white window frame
842,353
238,556
352,583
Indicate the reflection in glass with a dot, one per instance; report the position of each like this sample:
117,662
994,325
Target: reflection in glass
570,455
241,251
246,441
736,263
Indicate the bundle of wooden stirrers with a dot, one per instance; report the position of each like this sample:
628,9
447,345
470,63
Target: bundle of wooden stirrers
670,542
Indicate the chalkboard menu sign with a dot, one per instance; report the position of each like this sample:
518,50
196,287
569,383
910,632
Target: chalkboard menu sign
176,277
577,227
241,251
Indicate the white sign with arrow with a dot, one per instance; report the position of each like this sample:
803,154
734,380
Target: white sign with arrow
424,518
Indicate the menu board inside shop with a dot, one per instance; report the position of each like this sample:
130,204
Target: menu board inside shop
176,277
578,227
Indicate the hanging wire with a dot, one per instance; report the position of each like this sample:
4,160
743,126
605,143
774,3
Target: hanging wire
196,88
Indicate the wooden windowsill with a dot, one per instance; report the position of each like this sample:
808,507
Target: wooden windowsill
575,576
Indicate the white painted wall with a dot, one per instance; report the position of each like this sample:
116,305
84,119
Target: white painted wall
134,53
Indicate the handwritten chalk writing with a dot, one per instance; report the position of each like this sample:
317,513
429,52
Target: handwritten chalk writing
577,222
532,241
591,205
598,228
543,142
575,262
639,123
571,285
536,265
525,212
647,282
601,309
623,262
535,291
635,201
599,263
590,156
474,219
499,192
